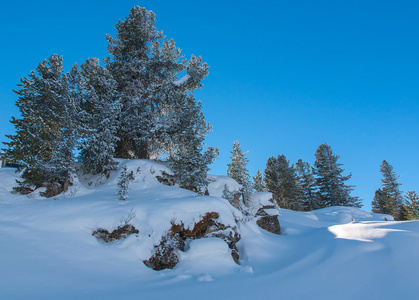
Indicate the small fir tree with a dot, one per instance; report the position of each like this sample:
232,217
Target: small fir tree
190,167
258,182
123,185
237,170
380,203
394,198
411,206
231,197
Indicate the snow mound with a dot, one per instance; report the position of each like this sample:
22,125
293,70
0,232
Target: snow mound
218,182
334,253
259,200
342,214
209,256
361,232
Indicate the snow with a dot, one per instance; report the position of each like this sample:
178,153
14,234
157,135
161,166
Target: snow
182,80
207,256
261,199
217,183
47,250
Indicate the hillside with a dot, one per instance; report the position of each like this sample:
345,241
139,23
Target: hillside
48,251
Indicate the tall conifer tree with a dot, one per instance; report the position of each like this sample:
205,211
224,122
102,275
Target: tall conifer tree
46,134
394,198
147,68
97,118
332,190
307,183
281,180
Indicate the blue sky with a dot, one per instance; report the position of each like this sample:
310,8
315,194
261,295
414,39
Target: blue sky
285,76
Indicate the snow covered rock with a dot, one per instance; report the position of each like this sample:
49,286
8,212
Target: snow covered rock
119,233
218,182
177,239
265,211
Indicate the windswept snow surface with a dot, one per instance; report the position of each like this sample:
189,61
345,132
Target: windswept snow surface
47,250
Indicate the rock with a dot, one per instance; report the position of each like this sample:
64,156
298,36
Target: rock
166,179
178,238
269,223
267,218
265,211
165,255
120,233
53,189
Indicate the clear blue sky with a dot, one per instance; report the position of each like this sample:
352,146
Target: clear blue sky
285,76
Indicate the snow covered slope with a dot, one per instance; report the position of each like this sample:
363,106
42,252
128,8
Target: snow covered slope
47,250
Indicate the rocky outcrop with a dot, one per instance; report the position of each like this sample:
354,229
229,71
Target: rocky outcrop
266,212
119,233
267,218
178,237
166,179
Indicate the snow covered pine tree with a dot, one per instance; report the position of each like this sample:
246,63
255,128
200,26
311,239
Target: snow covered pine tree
380,203
46,134
332,190
281,180
411,206
142,104
159,114
392,199
237,170
155,103
98,114
307,184
258,182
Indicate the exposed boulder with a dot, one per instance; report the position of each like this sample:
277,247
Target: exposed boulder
178,237
269,223
119,233
166,253
166,179
265,211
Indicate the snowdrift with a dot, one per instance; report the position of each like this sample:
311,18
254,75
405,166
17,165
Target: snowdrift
48,251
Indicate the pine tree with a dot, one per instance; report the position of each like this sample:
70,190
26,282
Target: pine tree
124,181
411,206
190,167
146,67
98,116
185,145
394,198
46,134
237,170
332,190
281,180
380,203
258,182
307,183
